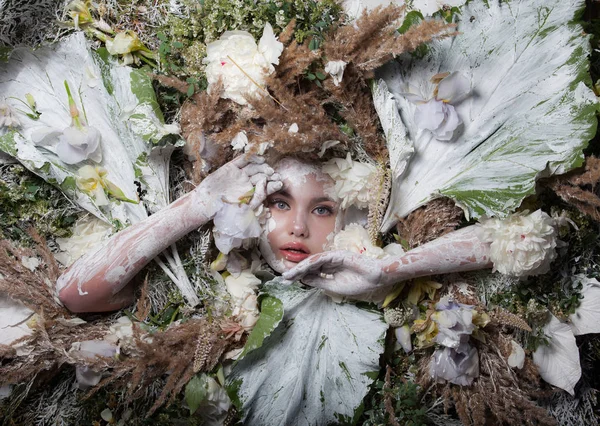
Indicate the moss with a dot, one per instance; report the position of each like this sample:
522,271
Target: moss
26,200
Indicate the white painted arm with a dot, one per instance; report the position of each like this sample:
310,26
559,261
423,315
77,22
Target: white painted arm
355,275
95,282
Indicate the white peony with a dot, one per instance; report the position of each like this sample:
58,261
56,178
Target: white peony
522,244
241,64
89,233
336,70
356,239
351,180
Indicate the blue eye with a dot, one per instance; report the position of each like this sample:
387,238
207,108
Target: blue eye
323,211
279,205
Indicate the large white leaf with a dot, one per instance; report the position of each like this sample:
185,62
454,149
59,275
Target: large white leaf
558,362
529,112
586,318
317,365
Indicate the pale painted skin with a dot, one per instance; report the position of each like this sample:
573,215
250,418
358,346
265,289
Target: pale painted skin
302,215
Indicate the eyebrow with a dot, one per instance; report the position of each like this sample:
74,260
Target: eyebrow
284,193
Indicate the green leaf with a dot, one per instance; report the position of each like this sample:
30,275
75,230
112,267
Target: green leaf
412,18
311,76
177,44
313,368
271,313
190,90
196,392
161,36
320,75
8,143
529,113
314,44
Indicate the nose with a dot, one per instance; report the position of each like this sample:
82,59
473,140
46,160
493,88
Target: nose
299,226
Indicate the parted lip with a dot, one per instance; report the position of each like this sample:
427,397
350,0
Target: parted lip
296,246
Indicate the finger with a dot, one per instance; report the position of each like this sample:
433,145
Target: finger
253,169
243,160
310,265
260,193
274,186
259,177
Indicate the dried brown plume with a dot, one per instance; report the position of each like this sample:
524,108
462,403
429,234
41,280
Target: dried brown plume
427,223
579,188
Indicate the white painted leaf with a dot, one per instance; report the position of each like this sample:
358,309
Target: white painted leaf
315,368
401,148
586,318
123,109
558,363
528,114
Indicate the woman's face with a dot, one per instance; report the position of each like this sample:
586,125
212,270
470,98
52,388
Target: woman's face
303,214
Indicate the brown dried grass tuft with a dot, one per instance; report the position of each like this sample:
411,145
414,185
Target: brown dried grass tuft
372,40
579,188
427,223
34,289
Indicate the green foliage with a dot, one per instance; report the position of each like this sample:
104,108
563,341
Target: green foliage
271,313
404,394
27,200
195,392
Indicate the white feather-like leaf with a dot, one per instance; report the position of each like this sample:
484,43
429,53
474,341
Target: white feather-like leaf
529,112
558,362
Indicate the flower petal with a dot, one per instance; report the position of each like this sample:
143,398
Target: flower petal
68,153
269,46
558,363
429,115
454,88
586,318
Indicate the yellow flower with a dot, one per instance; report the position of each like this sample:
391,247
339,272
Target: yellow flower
421,287
426,330
92,180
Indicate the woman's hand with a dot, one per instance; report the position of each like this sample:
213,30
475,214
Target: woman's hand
341,272
245,179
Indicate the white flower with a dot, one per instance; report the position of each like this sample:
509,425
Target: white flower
124,43
236,51
455,323
558,362
458,367
90,180
293,128
240,141
437,115
351,180
522,244
235,223
90,349
241,285
78,144
336,70
8,117
516,359
403,337
89,233
30,262
242,288
356,239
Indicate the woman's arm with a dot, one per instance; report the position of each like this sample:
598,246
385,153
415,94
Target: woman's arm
356,275
96,281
